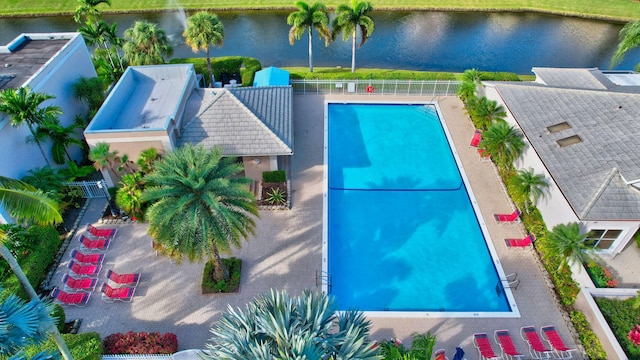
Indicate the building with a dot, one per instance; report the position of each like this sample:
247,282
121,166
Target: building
582,132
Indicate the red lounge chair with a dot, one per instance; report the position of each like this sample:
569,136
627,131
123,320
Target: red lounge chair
550,334
100,244
440,355
71,283
520,243
484,155
103,233
536,347
84,270
110,294
80,257
512,218
124,279
475,140
482,343
504,340
79,298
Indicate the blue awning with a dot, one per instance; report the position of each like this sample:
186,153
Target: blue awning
271,76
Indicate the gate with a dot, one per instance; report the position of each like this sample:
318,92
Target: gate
91,189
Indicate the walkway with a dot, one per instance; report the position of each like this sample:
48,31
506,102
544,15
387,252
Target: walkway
287,249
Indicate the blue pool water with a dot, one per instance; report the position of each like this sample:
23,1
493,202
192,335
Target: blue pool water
402,233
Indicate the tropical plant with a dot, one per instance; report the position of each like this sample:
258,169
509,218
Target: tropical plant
466,91
146,159
347,21
307,18
566,242
23,106
45,178
199,207
278,326
504,143
126,166
473,76
276,196
61,137
484,112
203,30
105,68
74,171
528,187
88,10
146,44
629,39
90,91
421,349
129,195
103,158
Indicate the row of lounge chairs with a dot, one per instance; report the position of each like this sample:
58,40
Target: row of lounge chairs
537,349
514,218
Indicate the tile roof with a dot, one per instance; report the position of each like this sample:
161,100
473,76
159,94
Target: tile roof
245,122
591,174
573,78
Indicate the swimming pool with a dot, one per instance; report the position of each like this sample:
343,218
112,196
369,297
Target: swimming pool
401,231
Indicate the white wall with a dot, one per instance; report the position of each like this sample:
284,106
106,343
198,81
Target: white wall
628,229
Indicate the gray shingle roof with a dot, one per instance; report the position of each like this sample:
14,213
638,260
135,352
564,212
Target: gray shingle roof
573,78
591,174
224,120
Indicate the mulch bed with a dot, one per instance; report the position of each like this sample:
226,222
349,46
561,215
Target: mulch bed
268,187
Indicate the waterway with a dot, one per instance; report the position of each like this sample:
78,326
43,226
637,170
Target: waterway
416,40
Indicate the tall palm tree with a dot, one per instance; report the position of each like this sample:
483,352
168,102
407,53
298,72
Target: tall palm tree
309,17
146,44
199,206
629,39
24,107
566,241
61,137
203,30
88,10
99,33
91,91
529,187
504,143
277,326
27,204
347,21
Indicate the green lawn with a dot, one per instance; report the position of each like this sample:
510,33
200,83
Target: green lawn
623,10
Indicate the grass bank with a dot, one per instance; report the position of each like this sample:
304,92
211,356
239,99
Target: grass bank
614,10
327,73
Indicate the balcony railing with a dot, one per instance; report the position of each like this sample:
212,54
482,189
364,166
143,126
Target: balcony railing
377,87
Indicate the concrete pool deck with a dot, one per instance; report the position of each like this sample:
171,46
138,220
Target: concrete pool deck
287,251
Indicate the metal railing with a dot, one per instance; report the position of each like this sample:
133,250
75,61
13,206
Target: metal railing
377,87
90,189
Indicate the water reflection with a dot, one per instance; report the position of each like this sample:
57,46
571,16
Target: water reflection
420,40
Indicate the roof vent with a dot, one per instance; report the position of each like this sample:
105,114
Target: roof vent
7,65
564,142
558,127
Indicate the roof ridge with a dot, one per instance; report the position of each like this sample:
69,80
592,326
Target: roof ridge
215,99
591,203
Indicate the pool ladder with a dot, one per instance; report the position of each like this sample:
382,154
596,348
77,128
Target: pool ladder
323,278
510,281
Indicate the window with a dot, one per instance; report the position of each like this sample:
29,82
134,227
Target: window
602,239
558,127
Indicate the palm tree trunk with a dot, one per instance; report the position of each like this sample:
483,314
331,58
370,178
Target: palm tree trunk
209,67
353,52
104,43
310,49
44,155
26,285
219,270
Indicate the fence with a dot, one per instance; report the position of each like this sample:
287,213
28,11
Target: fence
91,189
377,87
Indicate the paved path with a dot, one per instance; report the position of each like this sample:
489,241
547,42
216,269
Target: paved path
286,252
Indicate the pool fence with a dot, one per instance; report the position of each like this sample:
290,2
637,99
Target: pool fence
377,87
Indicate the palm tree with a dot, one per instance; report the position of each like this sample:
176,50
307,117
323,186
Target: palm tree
466,91
27,204
277,326
91,91
146,159
347,21
629,39
199,206
88,9
129,195
484,112
204,29
309,17
146,44
61,137
566,241
504,143
105,68
529,187
23,106
104,159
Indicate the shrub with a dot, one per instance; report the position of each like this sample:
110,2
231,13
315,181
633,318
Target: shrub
589,340
226,64
141,343
59,316
274,176
276,197
621,317
600,275
209,285
85,346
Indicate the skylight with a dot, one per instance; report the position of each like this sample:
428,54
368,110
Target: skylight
564,142
558,127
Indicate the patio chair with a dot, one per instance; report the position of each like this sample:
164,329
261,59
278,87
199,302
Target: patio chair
504,340
440,355
561,350
80,257
482,343
536,347
110,294
109,233
79,298
123,279
84,270
99,244
71,283
520,243
475,140
512,218
484,155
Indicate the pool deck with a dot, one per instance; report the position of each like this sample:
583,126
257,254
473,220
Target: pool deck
287,251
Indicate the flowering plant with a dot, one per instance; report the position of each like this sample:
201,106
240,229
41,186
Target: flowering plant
601,276
634,335
140,343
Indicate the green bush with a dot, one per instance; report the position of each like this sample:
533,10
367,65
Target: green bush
59,316
226,64
621,317
589,340
251,66
210,285
85,346
299,73
274,176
